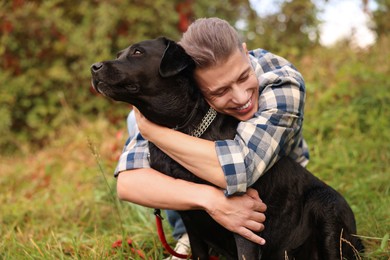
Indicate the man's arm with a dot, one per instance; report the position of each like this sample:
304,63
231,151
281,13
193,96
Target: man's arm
239,214
140,184
195,154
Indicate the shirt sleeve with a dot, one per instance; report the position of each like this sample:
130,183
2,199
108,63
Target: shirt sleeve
274,131
135,155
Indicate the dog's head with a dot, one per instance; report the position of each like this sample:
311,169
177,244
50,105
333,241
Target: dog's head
156,76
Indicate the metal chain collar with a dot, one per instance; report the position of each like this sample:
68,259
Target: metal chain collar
206,121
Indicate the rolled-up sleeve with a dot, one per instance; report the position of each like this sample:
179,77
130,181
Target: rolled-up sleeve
274,131
135,155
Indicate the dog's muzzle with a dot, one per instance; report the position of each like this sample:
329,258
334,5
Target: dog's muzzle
95,68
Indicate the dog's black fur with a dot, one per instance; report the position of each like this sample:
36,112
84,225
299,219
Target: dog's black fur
305,218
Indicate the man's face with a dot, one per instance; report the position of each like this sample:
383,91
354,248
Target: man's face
231,87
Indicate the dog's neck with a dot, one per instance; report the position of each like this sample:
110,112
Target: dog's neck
195,121
189,118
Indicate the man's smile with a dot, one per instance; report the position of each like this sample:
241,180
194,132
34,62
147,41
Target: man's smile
247,105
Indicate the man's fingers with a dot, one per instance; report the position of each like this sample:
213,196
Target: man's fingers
259,205
254,226
258,217
246,233
253,194
137,114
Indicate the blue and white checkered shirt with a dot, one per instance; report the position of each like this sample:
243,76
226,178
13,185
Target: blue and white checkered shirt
274,131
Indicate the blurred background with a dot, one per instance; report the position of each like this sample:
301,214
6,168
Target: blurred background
59,141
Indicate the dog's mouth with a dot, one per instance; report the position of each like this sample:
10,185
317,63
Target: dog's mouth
109,90
95,84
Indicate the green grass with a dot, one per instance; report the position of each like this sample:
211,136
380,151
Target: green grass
60,202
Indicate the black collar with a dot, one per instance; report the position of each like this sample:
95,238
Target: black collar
190,117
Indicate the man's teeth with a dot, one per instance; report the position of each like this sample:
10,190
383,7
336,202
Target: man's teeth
245,106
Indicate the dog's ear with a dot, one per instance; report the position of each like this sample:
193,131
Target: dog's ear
174,60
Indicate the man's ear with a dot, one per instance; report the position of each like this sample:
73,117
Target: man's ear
245,48
174,60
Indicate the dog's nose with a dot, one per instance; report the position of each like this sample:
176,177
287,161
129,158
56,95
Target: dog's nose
96,66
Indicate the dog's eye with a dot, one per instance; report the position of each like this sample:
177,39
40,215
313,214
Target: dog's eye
137,52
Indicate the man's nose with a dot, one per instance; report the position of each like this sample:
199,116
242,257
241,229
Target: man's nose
239,95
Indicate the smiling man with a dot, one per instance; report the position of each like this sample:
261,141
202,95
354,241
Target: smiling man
231,87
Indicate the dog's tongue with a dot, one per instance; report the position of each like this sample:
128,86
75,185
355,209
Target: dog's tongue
93,90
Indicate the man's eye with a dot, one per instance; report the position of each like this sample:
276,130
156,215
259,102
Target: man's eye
243,79
220,93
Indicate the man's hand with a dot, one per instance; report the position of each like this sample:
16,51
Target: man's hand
146,127
243,215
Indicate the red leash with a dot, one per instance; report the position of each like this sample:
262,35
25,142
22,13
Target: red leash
161,235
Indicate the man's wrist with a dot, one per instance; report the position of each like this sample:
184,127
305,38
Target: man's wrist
209,198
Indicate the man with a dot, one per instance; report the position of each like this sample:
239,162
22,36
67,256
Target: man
262,90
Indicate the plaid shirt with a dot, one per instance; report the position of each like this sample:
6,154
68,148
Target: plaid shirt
274,131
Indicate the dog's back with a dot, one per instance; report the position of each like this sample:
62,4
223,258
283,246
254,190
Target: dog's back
306,219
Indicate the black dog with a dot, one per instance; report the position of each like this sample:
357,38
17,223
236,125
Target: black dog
306,219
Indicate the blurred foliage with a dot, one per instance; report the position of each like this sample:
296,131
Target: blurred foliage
381,18
47,47
348,104
292,30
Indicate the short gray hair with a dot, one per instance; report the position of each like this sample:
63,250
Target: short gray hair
210,41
